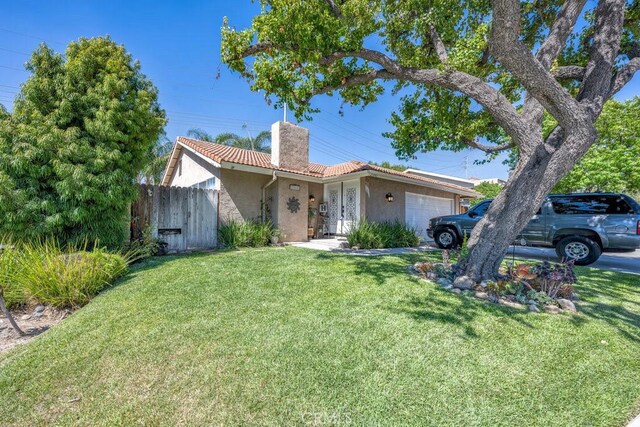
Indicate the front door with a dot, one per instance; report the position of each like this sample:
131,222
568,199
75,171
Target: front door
343,200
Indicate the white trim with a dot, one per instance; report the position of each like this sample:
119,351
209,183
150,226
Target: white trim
438,175
409,180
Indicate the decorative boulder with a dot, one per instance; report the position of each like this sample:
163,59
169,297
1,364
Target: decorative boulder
444,282
553,309
464,282
566,304
481,295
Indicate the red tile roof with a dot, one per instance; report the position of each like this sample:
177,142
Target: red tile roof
224,153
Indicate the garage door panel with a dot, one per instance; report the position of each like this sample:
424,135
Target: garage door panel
420,209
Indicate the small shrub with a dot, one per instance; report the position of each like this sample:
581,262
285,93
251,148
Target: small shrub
67,278
144,247
9,265
236,234
377,235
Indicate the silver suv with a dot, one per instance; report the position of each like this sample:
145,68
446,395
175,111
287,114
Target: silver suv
580,226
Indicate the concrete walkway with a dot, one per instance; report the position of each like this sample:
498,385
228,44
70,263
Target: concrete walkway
624,262
336,244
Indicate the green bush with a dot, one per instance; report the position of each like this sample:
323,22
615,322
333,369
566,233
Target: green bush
377,235
65,278
9,264
237,234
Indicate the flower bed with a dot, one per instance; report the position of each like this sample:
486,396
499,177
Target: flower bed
542,286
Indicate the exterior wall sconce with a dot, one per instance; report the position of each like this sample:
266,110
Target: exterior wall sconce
389,197
312,199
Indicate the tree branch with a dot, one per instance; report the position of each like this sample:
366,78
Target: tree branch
488,148
441,51
596,85
335,9
569,72
622,77
489,97
354,80
560,32
551,48
534,76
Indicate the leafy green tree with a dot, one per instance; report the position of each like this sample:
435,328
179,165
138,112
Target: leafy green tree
386,164
489,190
613,162
477,74
78,137
260,143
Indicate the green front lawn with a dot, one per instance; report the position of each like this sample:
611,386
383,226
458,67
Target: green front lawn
299,337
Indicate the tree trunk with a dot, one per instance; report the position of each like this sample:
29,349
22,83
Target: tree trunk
532,179
7,313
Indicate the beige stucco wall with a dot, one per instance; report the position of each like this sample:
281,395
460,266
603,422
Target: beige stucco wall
194,170
374,206
292,226
317,191
240,195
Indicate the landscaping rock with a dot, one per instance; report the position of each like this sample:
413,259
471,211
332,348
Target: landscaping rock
431,276
493,298
553,309
567,305
344,245
484,283
26,317
456,291
511,304
464,282
482,295
534,308
444,282
39,309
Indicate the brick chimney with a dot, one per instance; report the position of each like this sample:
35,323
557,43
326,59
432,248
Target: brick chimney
290,146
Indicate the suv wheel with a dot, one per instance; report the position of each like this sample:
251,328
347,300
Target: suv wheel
445,238
582,249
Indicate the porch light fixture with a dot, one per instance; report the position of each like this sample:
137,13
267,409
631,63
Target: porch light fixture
389,197
312,199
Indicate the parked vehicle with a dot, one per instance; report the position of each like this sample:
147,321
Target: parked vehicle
579,226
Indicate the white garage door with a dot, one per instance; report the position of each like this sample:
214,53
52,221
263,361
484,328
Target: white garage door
420,209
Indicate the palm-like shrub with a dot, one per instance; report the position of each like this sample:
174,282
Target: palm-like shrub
377,235
65,278
9,265
238,234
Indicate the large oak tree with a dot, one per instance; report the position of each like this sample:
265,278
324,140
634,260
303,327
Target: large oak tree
478,73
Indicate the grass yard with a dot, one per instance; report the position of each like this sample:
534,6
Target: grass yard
299,337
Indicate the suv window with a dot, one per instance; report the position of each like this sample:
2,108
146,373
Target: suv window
480,209
590,205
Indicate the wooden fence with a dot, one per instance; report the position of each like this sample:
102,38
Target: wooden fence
184,218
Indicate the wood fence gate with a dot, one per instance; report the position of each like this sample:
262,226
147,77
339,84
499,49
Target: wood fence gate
184,218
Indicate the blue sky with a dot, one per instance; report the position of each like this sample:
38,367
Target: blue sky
178,45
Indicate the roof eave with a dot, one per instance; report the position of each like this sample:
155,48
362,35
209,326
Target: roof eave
461,190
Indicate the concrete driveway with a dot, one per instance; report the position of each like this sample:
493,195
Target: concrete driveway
624,262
